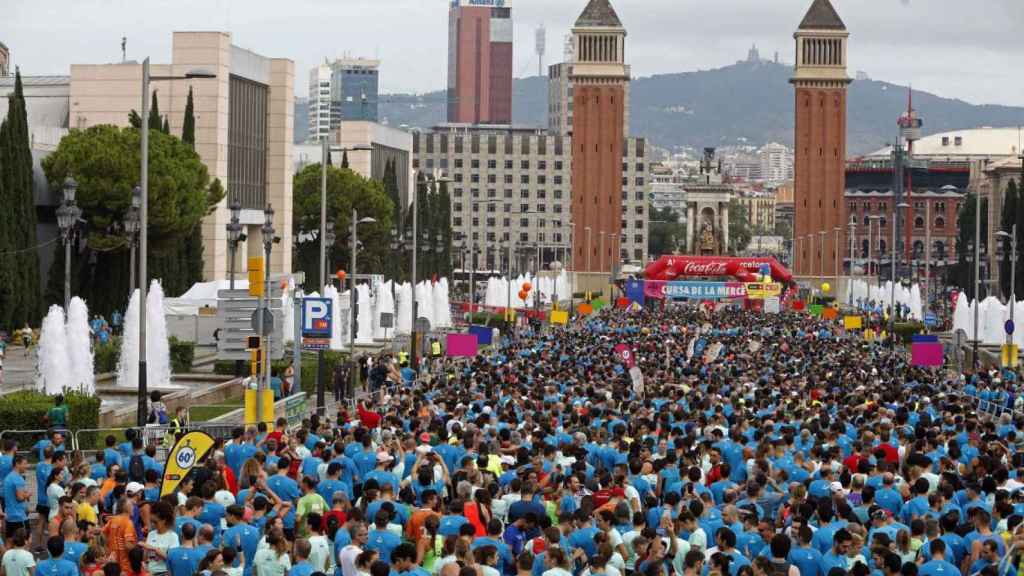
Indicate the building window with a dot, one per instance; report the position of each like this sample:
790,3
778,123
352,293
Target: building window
557,180
639,180
542,208
458,176
492,178
459,145
524,193
940,222
558,163
638,196
542,179
638,238
524,179
508,193
638,224
558,208
524,237
474,164
458,163
508,178
506,222
508,164
557,194
474,178
457,192
490,222
491,193
492,164
639,166
475,192
457,221
524,164
919,222
457,206
524,207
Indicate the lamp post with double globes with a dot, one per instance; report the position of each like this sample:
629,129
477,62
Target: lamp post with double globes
68,215
131,227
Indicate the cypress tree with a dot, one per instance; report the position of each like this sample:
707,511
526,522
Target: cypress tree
155,122
23,302
443,227
134,120
344,159
1007,220
166,128
7,261
188,126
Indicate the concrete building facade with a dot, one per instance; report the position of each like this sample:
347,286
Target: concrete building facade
560,99
760,207
599,78
480,62
776,162
244,125
5,57
512,186
820,83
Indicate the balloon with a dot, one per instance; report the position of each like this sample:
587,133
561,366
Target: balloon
527,287
826,288
341,275
523,295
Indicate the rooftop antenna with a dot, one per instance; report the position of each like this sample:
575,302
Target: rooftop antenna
124,48
541,44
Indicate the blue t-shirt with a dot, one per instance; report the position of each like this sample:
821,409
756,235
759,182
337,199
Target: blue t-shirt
6,465
245,538
212,514
58,567
938,568
43,470
807,560
288,491
383,542
301,569
182,520
183,561
15,508
73,551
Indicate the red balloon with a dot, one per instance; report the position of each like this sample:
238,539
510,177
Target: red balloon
527,287
341,275
523,295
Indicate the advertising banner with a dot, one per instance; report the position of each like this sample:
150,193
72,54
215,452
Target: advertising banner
625,354
660,289
187,452
762,290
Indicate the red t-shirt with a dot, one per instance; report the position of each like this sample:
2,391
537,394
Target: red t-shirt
369,419
892,455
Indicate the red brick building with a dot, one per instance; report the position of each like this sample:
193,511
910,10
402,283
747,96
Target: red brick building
480,62
820,83
599,77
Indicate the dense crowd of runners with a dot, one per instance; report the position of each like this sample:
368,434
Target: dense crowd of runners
756,445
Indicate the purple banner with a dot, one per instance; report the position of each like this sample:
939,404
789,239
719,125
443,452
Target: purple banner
661,289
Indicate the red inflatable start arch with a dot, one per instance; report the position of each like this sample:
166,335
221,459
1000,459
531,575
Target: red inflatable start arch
743,269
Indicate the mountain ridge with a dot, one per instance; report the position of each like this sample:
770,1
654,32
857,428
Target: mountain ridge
750,102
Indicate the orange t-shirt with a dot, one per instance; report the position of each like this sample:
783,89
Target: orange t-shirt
120,535
416,522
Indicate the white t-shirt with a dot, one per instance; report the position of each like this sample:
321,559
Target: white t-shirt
266,562
320,554
627,540
698,539
54,492
18,561
347,559
164,542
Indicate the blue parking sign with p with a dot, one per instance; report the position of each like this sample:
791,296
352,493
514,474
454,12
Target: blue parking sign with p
316,318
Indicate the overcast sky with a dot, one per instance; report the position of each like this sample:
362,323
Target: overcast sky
956,48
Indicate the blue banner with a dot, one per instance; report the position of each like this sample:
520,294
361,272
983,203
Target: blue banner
482,333
635,291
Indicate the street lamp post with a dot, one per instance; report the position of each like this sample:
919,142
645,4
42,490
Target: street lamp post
131,226
853,254
895,269
1012,237
821,253
263,378
835,254
235,236
354,246
68,214
437,178
144,223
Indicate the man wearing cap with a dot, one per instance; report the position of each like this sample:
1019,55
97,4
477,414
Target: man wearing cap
382,473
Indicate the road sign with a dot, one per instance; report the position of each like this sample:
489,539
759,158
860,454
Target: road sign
387,320
930,319
268,321
1009,326
317,318
235,314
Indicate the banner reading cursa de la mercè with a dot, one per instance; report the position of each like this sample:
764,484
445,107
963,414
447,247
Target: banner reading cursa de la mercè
660,289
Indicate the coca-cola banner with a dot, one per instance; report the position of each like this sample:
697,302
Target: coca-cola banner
661,289
743,269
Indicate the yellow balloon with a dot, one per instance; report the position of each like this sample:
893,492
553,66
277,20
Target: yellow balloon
826,288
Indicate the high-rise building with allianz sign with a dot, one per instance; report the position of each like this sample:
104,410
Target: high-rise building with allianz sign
480,62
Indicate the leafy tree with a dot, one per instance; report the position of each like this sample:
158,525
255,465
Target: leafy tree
1007,221
188,125
666,234
962,274
20,292
105,161
345,190
739,228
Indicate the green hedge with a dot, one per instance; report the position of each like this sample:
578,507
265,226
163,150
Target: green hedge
309,365
182,355
105,356
905,331
26,410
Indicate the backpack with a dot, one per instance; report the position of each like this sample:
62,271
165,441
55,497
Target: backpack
780,568
136,469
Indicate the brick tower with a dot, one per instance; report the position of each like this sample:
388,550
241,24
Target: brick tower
820,84
599,77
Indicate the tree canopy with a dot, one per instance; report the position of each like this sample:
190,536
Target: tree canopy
666,234
345,190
